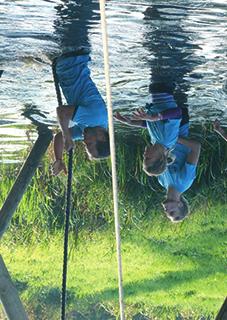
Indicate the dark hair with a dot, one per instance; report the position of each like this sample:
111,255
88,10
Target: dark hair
103,147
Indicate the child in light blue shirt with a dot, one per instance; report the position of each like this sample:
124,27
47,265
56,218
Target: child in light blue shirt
180,175
162,118
165,131
85,115
79,90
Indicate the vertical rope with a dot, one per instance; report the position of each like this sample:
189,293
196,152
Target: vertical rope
66,235
113,153
68,204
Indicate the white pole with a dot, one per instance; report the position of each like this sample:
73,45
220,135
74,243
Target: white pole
113,153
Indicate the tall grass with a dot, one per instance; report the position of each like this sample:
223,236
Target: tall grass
41,212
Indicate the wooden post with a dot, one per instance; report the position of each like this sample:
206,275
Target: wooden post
23,179
9,296
222,315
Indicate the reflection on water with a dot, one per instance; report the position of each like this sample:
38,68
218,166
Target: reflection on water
171,47
186,42
74,22
179,41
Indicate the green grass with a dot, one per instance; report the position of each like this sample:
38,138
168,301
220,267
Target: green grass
170,271
42,204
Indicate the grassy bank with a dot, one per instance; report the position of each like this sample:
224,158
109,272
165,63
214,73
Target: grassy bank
40,211
170,271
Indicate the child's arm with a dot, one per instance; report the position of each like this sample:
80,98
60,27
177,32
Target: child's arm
219,129
195,146
139,117
174,113
127,120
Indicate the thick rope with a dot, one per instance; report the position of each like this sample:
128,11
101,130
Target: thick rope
113,153
68,203
56,83
66,237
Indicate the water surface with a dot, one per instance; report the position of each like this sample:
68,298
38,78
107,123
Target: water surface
181,41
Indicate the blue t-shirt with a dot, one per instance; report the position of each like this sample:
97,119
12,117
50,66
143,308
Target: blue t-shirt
184,130
80,91
164,132
180,174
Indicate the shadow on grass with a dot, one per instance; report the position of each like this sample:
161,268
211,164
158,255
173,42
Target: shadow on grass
21,285
45,303
168,281
201,250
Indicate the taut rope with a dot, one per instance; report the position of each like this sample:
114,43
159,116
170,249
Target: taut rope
68,204
113,153
66,237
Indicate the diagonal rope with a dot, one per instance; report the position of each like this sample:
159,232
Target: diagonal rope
113,153
68,204
56,83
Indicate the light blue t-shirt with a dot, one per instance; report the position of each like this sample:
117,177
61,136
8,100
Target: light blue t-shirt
164,132
80,91
179,174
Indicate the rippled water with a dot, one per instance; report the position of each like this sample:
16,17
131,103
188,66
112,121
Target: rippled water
183,41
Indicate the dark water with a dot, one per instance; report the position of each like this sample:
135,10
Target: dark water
182,41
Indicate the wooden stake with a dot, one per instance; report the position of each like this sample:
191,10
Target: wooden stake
9,296
23,179
222,315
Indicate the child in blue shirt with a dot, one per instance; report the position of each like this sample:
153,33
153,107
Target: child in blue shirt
180,175
85,116
162,118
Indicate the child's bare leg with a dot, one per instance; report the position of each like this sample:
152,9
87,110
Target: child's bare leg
58,165
64,116
58,146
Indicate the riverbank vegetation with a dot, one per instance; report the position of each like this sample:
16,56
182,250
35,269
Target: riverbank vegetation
170,271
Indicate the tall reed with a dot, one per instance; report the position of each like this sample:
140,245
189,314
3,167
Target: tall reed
41,212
